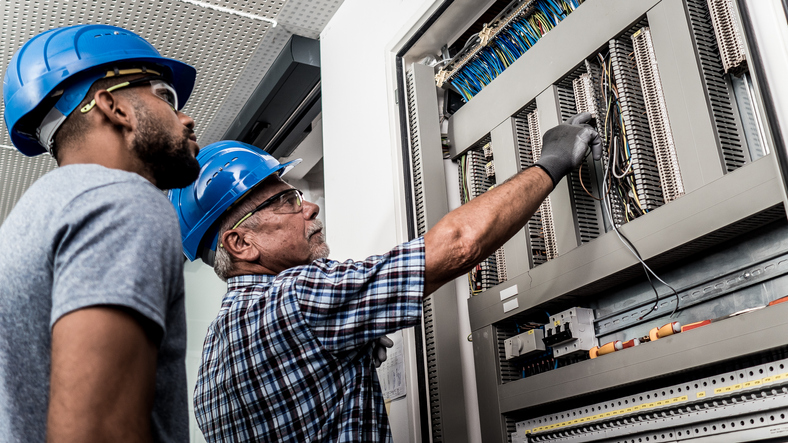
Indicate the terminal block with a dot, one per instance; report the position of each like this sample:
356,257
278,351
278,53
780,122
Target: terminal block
571,332
526,343
489,169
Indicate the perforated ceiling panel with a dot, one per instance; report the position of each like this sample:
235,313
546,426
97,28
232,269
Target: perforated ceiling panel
226,40
301,17
215,42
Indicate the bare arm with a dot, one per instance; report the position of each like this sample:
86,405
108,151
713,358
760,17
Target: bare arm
103,377
470,233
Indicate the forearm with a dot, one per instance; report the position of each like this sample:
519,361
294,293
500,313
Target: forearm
470,233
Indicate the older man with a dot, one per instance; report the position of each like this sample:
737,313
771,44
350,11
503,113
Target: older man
91,275
289,356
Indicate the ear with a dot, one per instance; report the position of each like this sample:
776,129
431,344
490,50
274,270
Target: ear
236,243
116,109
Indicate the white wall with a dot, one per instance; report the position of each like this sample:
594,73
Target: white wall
204,292
362,183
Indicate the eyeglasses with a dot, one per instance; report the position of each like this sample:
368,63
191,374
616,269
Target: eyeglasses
289,201
159,87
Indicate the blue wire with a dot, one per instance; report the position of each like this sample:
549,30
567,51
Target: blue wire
509,45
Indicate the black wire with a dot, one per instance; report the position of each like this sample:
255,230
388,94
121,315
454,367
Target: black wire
614,132
656,295
647,271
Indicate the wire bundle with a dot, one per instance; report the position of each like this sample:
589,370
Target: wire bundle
619,194
620,177
511,43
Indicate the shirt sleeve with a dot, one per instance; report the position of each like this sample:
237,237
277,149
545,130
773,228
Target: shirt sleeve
117,245
351,303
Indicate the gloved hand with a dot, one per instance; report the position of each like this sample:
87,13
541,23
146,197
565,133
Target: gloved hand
565,146
379,350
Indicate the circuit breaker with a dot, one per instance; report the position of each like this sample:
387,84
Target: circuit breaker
571,332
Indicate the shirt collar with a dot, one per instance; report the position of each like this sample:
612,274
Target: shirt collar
241,281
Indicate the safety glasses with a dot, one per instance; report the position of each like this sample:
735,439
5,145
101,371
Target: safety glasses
159,88
289,201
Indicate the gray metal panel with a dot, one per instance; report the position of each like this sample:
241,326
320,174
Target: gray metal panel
767,57
507,163
436,202
451,392
445,331
452,22
688,108
746,191
561,201
486,358
738,336
557,53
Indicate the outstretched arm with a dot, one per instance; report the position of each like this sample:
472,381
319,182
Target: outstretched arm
470,233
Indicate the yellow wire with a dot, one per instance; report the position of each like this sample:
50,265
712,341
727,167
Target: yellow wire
637,200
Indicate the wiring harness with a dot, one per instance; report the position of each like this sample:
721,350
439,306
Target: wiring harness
487,54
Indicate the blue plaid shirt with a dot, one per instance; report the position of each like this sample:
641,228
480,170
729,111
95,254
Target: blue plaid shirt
289,357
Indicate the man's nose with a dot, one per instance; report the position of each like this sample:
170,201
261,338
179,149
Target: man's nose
186,120
310,210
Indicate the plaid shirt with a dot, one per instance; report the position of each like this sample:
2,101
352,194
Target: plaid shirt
289,357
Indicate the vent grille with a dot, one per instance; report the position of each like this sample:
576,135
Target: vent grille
432,369
509,372
586,215
421,229
415,151
18,173
661,135
511,427
633,112
726,122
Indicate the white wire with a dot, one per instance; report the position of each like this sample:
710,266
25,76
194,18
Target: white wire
615,162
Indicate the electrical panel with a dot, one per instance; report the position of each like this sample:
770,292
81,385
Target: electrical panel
673,247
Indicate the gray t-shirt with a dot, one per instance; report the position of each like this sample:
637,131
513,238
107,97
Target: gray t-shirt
85,235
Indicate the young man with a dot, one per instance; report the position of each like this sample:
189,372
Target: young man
289,357
91,275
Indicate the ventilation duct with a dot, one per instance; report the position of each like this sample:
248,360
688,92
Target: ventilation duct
280,111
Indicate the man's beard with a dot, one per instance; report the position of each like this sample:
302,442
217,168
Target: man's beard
168,159
317,244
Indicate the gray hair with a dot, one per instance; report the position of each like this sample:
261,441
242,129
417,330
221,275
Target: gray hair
223,264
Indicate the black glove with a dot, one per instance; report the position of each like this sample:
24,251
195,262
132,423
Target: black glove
379,350
565,146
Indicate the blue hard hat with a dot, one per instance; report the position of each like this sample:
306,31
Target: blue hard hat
70,60
228,170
